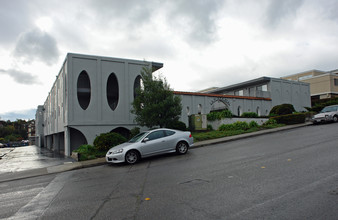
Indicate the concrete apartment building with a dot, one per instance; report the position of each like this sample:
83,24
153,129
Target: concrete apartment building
93,95
323,85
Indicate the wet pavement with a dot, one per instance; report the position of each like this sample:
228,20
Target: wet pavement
30,161
29,157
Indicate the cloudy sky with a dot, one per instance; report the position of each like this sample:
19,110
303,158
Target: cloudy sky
202,43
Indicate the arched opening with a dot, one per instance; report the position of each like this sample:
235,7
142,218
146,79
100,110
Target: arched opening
258,111
112,91
122,131
83,90
76,139
239,111
218,106
138,84
199,108
188,110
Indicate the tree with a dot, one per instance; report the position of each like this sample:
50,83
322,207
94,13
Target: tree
155,103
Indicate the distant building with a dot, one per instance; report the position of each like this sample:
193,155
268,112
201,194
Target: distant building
39,124
93,95
279,91
31,132
323,84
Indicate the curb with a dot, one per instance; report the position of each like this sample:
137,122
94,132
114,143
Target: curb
51,170
248,135
101,161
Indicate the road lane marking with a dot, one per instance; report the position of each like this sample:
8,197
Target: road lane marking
40,203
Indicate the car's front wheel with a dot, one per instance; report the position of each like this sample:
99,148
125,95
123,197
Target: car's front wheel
335,118
182,148
132,157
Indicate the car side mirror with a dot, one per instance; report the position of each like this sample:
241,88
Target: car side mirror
145,140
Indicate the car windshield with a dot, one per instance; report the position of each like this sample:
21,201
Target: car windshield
328,109
137,137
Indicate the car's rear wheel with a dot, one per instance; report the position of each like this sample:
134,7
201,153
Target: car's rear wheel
335,118
182,148
132,157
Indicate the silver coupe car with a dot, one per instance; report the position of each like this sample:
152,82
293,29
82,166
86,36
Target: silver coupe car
329,113
150,143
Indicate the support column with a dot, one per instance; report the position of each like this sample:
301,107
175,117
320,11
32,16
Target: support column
67,141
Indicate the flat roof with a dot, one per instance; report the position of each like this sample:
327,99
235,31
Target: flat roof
256,81
220,96
155,65
309,71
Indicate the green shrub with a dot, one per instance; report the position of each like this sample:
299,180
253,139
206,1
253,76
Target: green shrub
210,128
213,116
238,125
253,124
86,148
320,104
241,125
105,141
271,121
290,119
249,115
89,152
226,127
178,125
283,109
134,131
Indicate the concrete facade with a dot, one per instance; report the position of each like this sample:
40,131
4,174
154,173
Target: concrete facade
202,103
93,95
280,91
323,85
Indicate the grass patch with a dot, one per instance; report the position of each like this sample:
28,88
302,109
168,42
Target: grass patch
202,136
89,152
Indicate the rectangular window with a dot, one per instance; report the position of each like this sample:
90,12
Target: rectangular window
263,88
336,82
240,93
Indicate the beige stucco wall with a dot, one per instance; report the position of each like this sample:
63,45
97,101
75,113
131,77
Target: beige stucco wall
298,76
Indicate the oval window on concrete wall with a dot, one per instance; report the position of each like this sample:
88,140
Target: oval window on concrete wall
112,91
83,90
138,84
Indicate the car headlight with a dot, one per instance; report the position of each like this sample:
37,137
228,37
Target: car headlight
117,151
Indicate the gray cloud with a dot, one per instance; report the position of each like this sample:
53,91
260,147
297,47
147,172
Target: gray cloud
14,19
20,76
278,10
37,45
131,13
197,18
194,20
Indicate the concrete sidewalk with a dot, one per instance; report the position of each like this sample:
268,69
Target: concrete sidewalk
101,161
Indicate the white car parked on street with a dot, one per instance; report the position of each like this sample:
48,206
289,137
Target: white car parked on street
150,143
329,113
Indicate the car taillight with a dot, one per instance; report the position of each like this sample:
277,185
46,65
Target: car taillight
190,135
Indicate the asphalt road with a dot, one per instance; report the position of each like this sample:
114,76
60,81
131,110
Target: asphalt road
288,175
